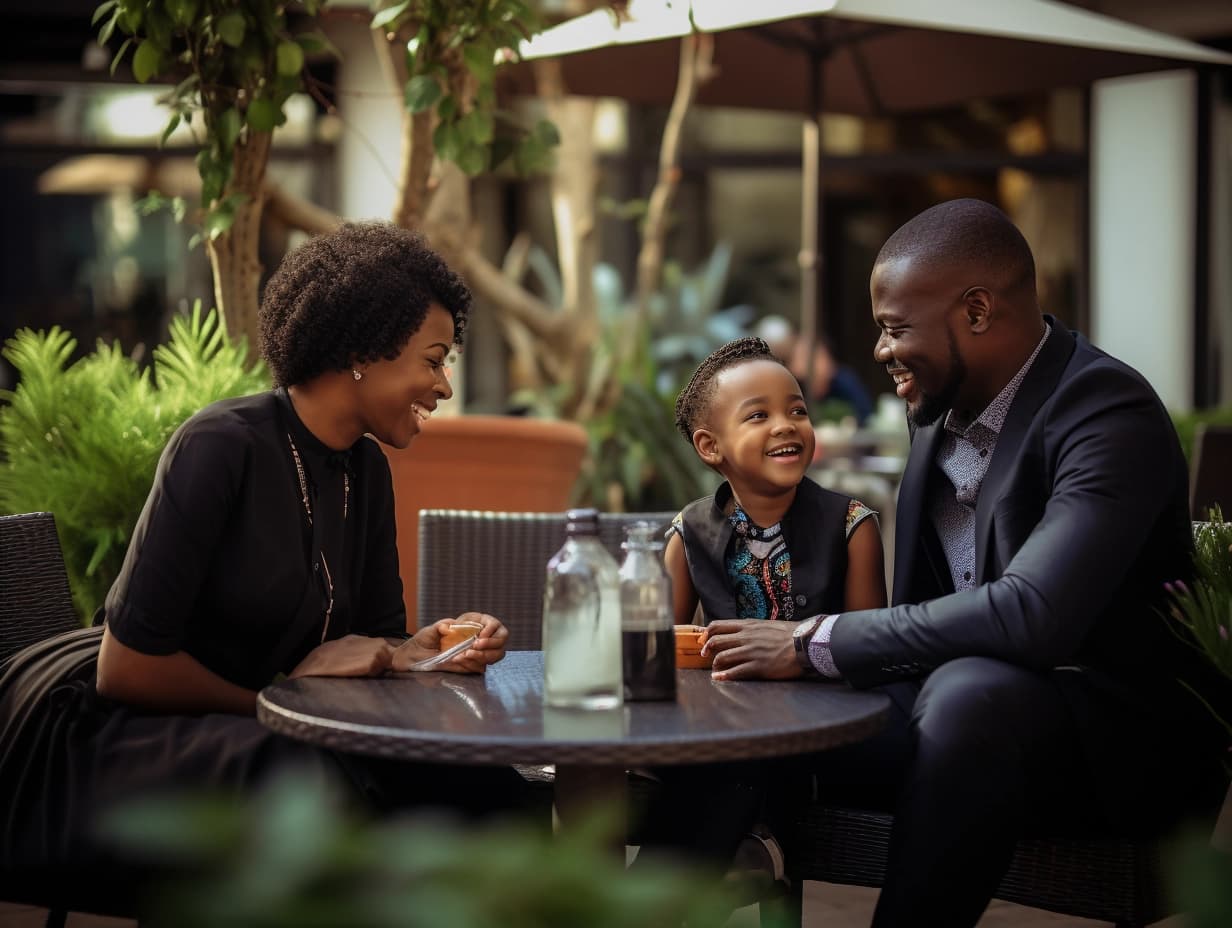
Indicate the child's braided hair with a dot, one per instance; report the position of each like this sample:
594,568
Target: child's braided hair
695,398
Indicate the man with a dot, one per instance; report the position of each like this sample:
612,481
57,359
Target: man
1042,510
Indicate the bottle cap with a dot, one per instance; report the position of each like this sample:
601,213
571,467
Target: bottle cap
642,535
582,522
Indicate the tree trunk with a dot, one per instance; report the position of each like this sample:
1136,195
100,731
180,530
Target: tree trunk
573,184
233,255
415,166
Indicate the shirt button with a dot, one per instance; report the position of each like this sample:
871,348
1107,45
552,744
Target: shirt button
967,576
800,599
983,452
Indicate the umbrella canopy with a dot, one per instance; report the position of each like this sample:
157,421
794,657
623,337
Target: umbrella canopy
864,57
878,56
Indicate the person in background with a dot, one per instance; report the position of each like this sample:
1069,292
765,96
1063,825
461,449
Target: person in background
832,381
266,548
1035,679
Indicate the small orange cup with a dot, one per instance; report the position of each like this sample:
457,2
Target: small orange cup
689,648
458,632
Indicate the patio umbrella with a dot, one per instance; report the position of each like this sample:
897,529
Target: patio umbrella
864,57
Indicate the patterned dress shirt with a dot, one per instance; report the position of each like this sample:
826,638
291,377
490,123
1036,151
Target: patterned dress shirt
964,453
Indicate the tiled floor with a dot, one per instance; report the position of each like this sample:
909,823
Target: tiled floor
825,906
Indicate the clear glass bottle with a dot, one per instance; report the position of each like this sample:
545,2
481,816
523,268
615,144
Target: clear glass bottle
581,620
648,641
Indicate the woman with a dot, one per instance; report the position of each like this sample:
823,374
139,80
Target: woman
266,547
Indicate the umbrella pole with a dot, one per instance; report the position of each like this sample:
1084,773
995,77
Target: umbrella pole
811,222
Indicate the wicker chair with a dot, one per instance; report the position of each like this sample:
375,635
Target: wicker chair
35,602
494,562
1104,877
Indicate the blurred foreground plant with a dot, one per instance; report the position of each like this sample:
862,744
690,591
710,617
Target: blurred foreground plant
290,857
1200,869
82,440
1205,608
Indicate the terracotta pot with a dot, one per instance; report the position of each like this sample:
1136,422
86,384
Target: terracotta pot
491,463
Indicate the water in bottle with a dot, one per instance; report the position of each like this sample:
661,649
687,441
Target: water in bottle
581,620
648,641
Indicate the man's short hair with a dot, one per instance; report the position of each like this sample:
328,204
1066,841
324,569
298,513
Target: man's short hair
968,233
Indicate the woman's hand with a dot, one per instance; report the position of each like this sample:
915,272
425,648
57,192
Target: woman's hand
349,656
488,647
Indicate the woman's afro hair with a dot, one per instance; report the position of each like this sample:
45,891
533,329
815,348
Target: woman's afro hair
694,399
353,296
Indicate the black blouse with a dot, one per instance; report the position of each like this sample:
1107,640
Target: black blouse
226,565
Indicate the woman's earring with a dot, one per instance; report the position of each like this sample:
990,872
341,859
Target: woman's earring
356,374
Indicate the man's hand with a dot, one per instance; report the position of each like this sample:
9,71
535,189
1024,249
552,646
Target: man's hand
488,647
349,656
751,649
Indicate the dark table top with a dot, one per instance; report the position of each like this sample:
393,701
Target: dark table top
499,718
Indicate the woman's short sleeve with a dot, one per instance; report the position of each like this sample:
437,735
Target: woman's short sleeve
186,512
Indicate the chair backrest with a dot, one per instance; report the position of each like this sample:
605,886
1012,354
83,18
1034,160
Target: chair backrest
1210,479
35,601
495,562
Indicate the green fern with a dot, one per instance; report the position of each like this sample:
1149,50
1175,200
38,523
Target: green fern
82,440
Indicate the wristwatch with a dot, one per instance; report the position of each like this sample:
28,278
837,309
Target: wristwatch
801,636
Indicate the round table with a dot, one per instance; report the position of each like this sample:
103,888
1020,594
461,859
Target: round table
499,718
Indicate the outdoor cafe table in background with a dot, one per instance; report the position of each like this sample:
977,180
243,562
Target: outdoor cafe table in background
498,718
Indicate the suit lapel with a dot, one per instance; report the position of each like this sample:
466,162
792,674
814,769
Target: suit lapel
1035,389
912,494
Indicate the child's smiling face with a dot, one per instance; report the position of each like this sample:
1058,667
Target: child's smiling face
757,431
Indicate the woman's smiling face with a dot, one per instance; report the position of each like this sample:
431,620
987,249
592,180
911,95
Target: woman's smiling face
758,428
395,397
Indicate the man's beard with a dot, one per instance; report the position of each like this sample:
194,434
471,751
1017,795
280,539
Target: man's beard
932,406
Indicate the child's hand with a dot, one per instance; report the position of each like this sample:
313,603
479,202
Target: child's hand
751,649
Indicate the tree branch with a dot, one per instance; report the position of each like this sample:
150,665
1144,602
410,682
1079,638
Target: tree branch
297,213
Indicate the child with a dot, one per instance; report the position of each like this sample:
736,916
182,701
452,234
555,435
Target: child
770,543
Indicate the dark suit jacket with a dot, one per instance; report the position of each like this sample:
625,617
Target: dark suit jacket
1082,518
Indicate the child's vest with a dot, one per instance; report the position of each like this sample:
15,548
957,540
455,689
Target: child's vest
814,530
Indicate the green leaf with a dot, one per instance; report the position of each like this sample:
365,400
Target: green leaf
422,91
476,126
446,141
231,28
227,128
499,153
290,59
480,60
158,28
546,134
146,61
265,115
104,34
389,14
447,108
472,159
102,11
182,12
218,222
312,42
172,125
120,54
